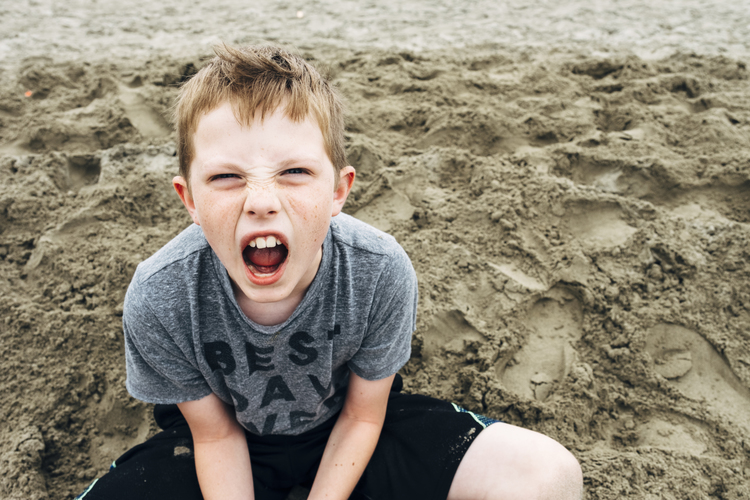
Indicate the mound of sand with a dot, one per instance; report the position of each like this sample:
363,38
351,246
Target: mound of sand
579,226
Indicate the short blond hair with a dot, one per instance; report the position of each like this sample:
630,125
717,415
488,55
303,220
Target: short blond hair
257,80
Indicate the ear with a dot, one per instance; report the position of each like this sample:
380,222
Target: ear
183,191
346,180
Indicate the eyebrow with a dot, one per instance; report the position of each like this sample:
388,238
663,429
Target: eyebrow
306,160
290,162
221,164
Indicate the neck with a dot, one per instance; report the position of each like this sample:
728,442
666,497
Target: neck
268,314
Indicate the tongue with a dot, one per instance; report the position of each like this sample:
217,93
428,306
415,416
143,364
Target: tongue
266,257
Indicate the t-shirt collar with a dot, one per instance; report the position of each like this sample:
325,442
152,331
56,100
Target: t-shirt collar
312,292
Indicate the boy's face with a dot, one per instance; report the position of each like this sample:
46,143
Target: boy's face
264,196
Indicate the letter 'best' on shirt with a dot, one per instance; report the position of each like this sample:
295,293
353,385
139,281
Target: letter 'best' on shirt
186,337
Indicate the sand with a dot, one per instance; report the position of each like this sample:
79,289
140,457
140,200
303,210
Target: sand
572,183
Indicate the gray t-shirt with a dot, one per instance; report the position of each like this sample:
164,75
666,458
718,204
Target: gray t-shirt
186,337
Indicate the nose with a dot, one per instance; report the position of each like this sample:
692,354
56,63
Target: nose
262,200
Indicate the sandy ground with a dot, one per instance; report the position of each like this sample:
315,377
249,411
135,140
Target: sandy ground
571,181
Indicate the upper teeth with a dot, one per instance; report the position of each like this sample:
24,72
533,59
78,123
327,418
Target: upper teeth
267,242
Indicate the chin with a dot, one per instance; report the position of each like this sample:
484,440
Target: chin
266,295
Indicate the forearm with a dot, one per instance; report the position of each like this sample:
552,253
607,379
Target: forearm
346,455
223,467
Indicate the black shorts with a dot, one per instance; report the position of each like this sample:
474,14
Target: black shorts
420,447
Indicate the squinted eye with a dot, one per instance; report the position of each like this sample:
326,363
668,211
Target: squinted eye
294,171
225,176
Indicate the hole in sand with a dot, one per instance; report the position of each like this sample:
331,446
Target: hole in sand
611,176
732,202
385,210
546,358
601,174
673,433
148,122
544,139
83,170
598,69
598,224
692,365
450,330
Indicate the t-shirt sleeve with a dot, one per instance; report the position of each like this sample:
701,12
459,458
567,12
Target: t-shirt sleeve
161,365
386,345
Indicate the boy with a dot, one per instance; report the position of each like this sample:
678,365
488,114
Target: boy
276,324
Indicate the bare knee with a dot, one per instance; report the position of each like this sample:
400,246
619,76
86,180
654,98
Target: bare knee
562,477
552,469
507,462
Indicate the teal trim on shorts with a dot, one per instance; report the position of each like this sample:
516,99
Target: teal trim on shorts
481,419
79,497
87,490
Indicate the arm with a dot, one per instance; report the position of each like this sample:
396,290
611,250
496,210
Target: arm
352,439
222,460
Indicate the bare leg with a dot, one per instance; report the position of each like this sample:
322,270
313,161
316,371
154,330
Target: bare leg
506,462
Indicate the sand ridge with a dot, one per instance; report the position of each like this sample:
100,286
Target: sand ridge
578,222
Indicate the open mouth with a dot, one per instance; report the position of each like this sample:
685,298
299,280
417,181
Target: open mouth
264,255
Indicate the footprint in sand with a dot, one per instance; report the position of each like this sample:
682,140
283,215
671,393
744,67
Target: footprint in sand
597,224
385,210
701,373
148,122
545,360
675,432
449,330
